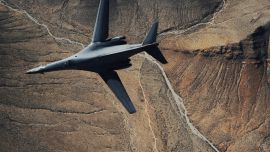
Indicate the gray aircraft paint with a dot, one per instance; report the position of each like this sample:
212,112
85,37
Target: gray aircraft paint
104,55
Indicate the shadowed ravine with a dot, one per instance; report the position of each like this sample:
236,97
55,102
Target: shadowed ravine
179,102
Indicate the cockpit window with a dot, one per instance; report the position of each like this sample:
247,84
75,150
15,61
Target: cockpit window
68,63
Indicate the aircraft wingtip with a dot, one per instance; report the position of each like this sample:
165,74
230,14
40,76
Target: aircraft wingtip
132,111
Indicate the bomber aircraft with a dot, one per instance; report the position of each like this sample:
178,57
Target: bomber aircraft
105,55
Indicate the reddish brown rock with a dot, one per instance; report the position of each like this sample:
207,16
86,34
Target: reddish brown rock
228,98
219,69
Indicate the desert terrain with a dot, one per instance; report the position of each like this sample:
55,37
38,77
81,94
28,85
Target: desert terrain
212,96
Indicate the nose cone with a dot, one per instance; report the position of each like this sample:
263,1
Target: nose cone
36,70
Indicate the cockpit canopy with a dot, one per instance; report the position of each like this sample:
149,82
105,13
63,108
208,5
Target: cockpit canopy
69,63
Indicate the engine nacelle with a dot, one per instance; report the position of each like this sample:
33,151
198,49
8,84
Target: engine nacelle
118,38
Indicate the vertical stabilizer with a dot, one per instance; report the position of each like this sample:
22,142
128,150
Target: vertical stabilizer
151,44
152,34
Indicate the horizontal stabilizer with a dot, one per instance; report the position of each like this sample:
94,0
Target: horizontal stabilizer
155,52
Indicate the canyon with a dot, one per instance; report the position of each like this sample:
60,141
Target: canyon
213,95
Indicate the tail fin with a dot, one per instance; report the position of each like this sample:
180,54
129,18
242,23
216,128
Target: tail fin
152,34
151,47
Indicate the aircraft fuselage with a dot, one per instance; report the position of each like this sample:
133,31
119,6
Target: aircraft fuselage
95,57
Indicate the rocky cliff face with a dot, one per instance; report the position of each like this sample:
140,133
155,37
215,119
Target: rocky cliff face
217,67
226,92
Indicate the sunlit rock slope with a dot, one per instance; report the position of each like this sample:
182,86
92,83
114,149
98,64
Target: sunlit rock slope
226,92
